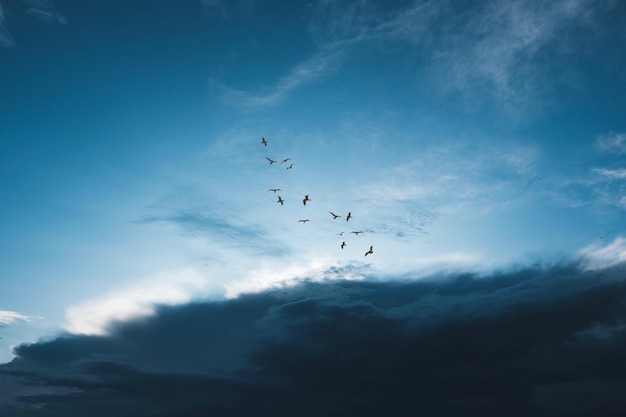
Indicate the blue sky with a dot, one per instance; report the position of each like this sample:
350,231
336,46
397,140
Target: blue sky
462,137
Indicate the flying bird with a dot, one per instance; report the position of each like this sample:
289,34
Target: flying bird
370,252
263,141
271,160
340,233
343,244
357,232
274,189
306,198
349,216
285,160
280,200
304,220
334,215
290,166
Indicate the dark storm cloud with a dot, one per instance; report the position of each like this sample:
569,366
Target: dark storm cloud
536,341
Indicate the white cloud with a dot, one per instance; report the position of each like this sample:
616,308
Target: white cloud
611,174
137,300
597,256
614,143
8,317
277,274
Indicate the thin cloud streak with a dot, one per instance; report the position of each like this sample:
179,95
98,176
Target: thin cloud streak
9,317
611,174
5,38
490,47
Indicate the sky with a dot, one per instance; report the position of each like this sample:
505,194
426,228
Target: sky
479,146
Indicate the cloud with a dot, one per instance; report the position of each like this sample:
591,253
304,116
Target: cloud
463,177
488,50
533,341
43,10
611,174
9,317
139,299
493,48
5,38
602,256
315,67
209,224
614,143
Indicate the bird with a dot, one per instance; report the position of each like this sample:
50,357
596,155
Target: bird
263,141
304,220
306,198
271,160
274,189
334,215
340,233
371,251
357,232
290,166
280,200
285,160
349,216
343,244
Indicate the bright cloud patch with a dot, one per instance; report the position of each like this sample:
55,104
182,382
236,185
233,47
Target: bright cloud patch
8,317
604,256
93,317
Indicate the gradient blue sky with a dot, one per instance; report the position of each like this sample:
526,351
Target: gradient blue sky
460,136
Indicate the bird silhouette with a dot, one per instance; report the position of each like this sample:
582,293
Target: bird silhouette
343,244
280,200
349,216
271,160
340,233
285,160
370,252
290,166
306,198
357,232
304,220
274,189
334,215
263,141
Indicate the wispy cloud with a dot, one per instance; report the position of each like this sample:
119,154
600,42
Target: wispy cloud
611,174
211,225
9,317
488,49
43,10
458,177
5,38
315,67
614,143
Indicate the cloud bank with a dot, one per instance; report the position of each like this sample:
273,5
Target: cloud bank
541,341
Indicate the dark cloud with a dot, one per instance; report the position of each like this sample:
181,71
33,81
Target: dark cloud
536,341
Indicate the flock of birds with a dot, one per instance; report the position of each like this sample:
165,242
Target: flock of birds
306,199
